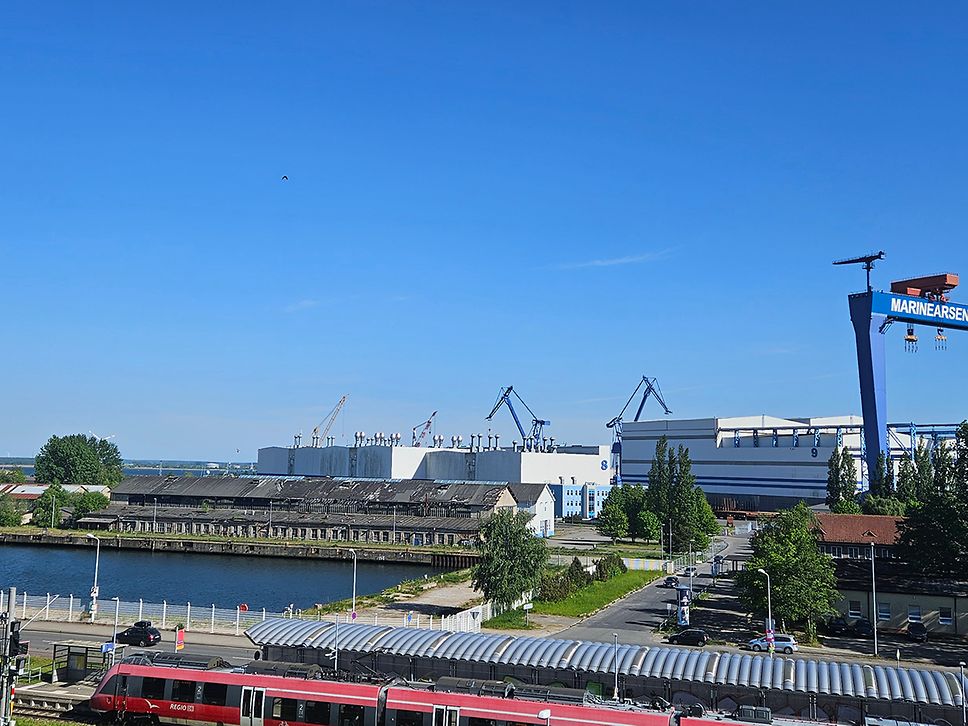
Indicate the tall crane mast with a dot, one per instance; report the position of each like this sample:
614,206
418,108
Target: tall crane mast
328,421
651,389
418,440
537,424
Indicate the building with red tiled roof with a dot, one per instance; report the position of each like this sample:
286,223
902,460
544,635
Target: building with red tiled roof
851,535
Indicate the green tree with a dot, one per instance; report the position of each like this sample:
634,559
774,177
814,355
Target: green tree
944,468
633,503
960,472
884,505
46,512
924,472
611,521
12,476
934,536
84,504
78,459
511,560
659,494
833,479
10,511
907,485
648,526
848,476
846,506
875,486
804,587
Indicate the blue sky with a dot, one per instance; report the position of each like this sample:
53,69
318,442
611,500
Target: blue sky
558,196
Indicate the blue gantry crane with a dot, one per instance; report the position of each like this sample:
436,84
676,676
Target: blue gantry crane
915,301
651,389
537,424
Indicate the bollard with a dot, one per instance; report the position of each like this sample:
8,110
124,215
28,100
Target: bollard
70,609
213,618
238,615
188,618
141,604
164,613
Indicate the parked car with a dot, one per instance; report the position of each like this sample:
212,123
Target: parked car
781,641
837,626
140,634
671,582
862,628
917,632
692,636
690,571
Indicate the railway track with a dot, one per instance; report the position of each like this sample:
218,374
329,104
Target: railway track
40,704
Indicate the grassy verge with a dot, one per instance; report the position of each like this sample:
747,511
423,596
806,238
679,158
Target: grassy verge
509,620
405,590
597,595
30,721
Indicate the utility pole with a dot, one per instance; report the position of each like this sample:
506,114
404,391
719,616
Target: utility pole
7,673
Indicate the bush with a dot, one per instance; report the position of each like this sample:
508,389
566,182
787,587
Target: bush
554,586
578,576
609,566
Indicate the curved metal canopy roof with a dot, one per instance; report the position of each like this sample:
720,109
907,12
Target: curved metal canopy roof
822,677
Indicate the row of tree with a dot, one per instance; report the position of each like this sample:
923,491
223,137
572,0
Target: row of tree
672,503
942,469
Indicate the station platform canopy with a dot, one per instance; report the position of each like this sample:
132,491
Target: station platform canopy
805,675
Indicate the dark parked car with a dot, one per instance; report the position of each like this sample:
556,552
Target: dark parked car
692,636
862,628
917,632
671,582
141,634
837,626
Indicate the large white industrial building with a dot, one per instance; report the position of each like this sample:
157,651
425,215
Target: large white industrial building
579,477
748,462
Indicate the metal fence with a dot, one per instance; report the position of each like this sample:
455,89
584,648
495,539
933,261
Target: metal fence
198,617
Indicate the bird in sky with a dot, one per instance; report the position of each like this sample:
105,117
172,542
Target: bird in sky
285,178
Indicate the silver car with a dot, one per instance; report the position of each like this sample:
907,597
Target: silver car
781,641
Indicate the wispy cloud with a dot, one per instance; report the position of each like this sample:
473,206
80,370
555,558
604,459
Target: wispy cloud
301,305
615,261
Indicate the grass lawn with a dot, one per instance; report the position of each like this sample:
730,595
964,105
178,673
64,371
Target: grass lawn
509,620
30,721
597,595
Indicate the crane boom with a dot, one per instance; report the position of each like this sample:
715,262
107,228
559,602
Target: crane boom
328,421
417,440
537,424
651,389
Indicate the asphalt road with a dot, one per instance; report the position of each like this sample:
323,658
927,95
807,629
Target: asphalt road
42,636
635,617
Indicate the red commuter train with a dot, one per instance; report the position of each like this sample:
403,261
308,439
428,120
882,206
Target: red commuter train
166,689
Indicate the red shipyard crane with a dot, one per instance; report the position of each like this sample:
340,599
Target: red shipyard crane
327,423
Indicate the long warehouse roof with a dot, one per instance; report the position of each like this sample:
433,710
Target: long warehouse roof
857,680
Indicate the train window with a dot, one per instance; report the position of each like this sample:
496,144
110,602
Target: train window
446,715
481,722
183,691
153,688
213,694
410,718
317,712
352,715
284,708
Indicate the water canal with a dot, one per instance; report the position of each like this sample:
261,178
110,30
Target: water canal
222,580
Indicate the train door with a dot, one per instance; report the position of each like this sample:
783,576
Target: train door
252,706
446,715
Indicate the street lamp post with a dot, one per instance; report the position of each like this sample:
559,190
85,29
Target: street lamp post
874,599
769,609
615,658
114,638
964,701
97,562
353,616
